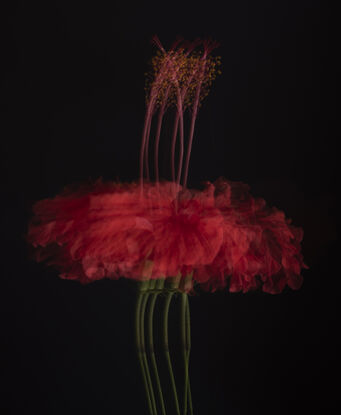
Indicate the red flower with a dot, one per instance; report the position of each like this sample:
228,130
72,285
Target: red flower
157,230
108,231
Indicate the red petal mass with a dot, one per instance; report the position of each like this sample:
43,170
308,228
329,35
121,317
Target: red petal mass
260,247
222,234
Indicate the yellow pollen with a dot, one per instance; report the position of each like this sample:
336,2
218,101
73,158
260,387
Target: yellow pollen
177,73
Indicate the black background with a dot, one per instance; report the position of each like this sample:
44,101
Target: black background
73,107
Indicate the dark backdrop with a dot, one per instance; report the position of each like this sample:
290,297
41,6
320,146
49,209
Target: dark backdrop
73,107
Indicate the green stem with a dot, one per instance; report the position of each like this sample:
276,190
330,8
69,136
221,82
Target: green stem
139,346
184,348
168,300
151,350
144,355
188,350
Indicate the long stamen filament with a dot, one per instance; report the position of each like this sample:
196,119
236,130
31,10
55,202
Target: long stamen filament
194,116
181,155
147,120
146,150
175,133
158,132
191,133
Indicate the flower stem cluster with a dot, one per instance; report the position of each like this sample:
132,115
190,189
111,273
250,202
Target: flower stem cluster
163,292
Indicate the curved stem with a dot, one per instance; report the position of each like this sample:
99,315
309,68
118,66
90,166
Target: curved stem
151,350
168,300
186,344
144,356
139,347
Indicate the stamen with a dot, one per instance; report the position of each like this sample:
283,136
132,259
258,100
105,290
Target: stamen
181,155
158,132
146,149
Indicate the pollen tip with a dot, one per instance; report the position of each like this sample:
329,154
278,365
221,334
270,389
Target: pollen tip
156,41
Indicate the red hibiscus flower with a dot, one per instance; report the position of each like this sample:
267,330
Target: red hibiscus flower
221,235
